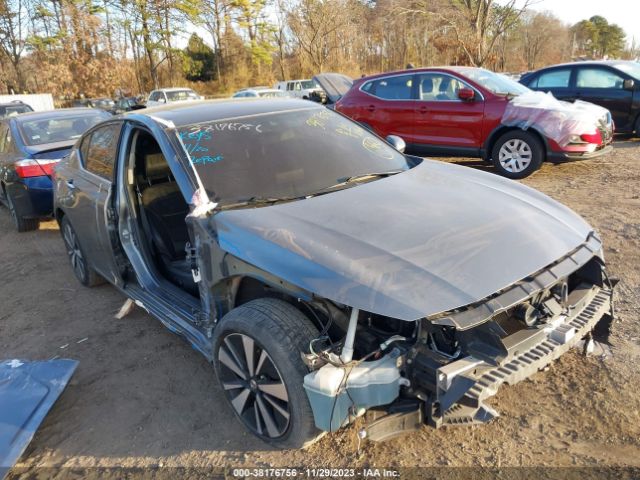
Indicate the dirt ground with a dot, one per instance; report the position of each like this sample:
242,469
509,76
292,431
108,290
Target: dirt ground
141,397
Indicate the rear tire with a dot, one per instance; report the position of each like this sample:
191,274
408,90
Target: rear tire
22,224
637,127
86,275
262,341
517,154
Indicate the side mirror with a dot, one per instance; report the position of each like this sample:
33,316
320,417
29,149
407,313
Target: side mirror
397,143
628,84
162,100
466,94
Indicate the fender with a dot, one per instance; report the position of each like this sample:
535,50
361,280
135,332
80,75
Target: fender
485,151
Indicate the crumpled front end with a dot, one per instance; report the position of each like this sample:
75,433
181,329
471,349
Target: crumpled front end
460,359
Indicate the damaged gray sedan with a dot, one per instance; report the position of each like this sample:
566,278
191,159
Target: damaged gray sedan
323,273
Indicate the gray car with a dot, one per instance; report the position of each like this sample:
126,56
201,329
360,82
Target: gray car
323,273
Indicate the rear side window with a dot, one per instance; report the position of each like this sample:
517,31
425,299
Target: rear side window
99,151
393,88
598,78
554,79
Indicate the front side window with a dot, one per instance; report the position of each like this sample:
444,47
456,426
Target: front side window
438,87
393,88
554,79
283,154
598,78
99,151
58,129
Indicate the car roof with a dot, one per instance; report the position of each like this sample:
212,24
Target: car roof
610,63
200,111
58,113
260,90
172,89
13,103
449,69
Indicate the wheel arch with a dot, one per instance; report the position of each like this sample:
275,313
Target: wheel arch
502,129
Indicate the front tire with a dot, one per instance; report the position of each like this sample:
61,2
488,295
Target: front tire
22,224
86,275
256,356
517,154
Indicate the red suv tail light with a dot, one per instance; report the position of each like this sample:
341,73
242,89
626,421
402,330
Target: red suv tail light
592,138
34,168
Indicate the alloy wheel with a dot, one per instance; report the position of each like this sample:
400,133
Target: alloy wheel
515,155
74,252
254,385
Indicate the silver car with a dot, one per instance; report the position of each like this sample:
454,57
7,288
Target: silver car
325,274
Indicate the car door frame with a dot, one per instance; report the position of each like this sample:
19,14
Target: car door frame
192,317
94,223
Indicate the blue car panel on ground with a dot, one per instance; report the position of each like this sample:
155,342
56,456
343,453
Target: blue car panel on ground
28,390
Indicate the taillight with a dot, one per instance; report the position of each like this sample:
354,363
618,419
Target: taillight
32,168
592,137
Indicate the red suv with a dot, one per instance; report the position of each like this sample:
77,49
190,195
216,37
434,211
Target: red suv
460,111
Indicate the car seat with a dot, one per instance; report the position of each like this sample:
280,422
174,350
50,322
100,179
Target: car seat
163,210
426,89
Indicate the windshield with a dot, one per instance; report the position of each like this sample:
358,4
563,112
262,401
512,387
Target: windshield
283,154
179,95
306,84
494,82
14,110
632,68
272,94
60,129
103,103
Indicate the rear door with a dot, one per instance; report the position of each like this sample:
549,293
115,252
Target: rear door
605,87
388,106
90,189
442,119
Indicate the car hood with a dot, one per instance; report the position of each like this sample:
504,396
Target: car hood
425,241
335,85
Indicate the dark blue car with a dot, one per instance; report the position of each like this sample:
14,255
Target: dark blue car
612,84
30,145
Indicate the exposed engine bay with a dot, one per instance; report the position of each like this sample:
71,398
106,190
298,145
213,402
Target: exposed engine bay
440,370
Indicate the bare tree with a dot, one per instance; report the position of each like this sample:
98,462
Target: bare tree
13,33
317,26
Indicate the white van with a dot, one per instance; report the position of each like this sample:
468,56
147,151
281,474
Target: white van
299,88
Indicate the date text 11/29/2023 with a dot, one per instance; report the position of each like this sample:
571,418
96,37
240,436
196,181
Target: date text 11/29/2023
321,472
